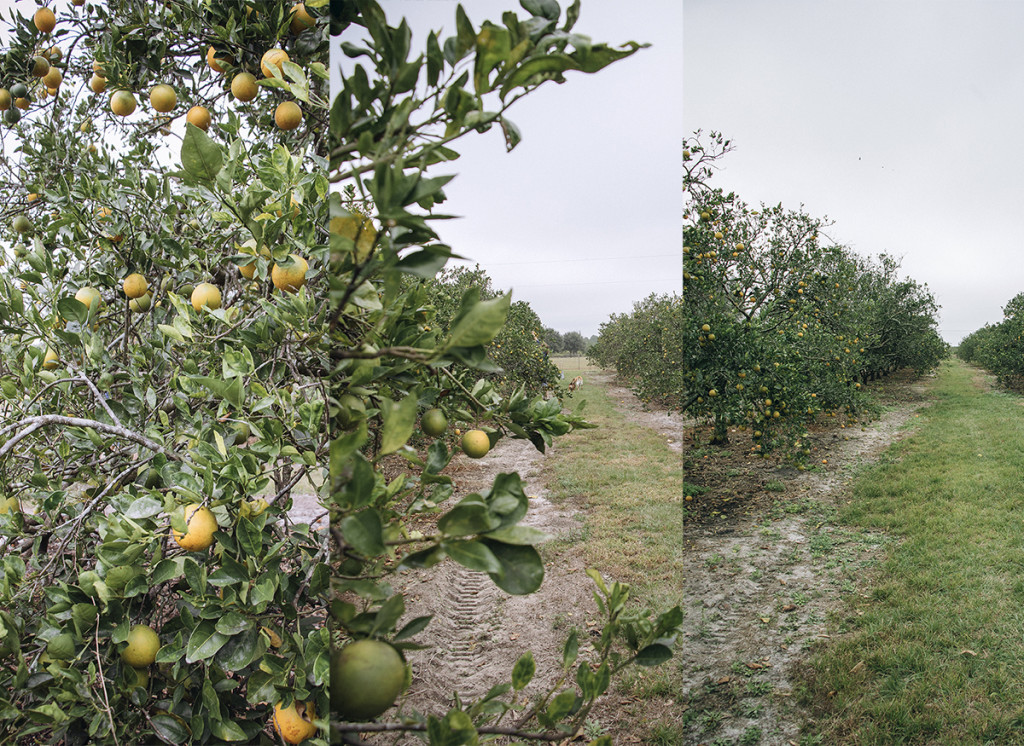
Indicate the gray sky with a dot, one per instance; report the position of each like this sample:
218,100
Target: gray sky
583,218
900,121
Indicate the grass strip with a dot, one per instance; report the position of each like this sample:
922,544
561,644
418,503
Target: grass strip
933,649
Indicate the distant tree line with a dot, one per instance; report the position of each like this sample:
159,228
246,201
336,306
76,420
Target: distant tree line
570,343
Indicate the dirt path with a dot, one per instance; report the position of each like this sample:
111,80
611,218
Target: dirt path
759,587
478,631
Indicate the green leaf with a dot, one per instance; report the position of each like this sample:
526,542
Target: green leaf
399,423
227,730
544,8
72,310
423,559
144,507
468,517
654,655
523,671
522,570
204,642
520,535
242,649
571,649
201,157
364,532
478,321
474,555
250,537
413,628
561,705
232,623
171,728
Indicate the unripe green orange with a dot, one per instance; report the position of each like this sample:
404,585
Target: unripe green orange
476,444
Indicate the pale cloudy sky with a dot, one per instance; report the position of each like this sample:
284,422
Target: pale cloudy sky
900,120
583,218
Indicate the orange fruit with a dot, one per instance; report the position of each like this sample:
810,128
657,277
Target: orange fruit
301,19
273,58
243,87
5,99
23,103
97,84
288,115
163,98
51,360
135,285
200,117
217,63
122,103
88,296
143,644
200,523
476,444
40,66
291,278
366,678
53,78
44,20
292,724
207,295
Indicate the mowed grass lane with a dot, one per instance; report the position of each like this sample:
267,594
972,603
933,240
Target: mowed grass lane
932,650
627,484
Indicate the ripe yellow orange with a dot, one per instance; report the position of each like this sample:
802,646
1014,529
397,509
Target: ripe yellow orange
51,359
200,117
97,84
243,87
357,228
288,115
88,296
23,103
44,20
143,644
207,295
97,69
475,443
55,54
291,278
301,19
53,78
5,99
294,723
273,58
122,103
217,62
135,285
163,98
201,524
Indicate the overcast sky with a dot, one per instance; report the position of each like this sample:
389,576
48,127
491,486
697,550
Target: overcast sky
583,217
901,121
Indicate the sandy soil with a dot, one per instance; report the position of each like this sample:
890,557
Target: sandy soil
761,577
478,631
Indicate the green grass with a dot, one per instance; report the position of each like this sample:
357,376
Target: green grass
631,485
935,648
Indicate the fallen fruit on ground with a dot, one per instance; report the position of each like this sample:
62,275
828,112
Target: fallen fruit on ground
201,524
475,443
291,722
366,678
143,644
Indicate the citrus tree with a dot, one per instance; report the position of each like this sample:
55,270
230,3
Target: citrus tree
163,368
517,349
400,373
999,347
778,326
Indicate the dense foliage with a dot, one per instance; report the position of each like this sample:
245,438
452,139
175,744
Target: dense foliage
518,349
999,347
403,347
126,397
